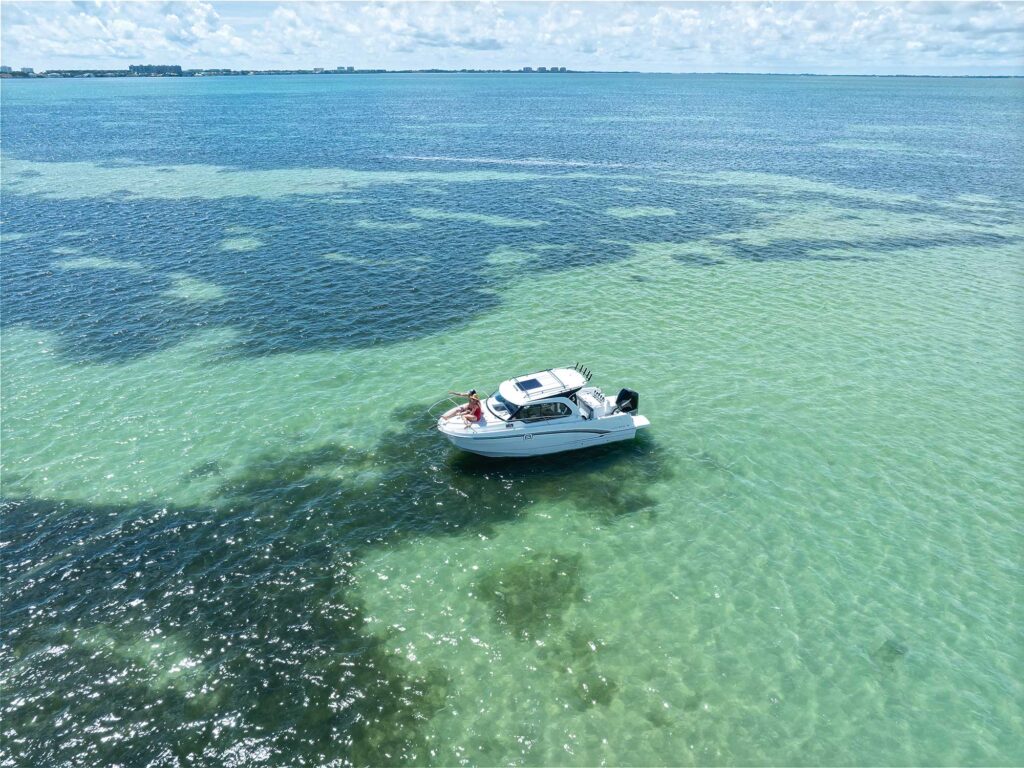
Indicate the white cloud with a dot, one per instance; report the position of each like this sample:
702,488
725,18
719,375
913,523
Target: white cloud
77,34
941,37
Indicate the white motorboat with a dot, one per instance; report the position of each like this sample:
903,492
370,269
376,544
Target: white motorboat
545,412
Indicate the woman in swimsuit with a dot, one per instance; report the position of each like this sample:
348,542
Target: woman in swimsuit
472,411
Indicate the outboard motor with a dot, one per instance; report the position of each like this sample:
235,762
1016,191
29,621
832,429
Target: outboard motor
628,401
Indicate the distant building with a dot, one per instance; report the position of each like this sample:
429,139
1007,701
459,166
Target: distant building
346,69
5,70
28,70
527,69
561,69
542,69
143,70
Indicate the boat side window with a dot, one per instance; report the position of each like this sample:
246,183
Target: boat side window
542,411
529,413
554,410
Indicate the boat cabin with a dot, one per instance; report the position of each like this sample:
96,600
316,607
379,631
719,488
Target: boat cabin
543,395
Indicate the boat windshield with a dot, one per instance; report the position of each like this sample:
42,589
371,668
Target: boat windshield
501,407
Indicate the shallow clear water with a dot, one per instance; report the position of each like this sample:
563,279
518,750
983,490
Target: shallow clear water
229,536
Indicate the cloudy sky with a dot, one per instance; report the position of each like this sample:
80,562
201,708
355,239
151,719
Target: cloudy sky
848,37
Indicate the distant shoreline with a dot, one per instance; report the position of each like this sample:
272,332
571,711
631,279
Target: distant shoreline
87,74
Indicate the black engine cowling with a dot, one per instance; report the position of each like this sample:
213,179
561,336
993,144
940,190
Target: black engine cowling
628,401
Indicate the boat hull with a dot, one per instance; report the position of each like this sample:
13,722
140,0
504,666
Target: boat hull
522,444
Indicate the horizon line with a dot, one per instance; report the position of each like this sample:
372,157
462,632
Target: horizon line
487,70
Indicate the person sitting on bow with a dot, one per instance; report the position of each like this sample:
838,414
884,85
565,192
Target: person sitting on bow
472,411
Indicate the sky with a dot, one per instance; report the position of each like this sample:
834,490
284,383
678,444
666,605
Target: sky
961,38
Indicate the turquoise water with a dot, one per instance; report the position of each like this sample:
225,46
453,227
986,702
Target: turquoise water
229,536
